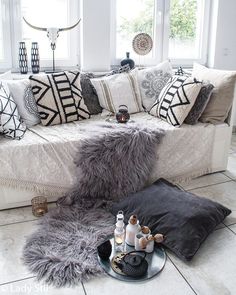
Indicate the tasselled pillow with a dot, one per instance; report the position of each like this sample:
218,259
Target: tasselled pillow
59,97
10,124
176,99
151,82
21,91
89,92
119,89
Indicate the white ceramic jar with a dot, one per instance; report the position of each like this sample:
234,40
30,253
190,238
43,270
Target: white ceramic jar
132,229
137,243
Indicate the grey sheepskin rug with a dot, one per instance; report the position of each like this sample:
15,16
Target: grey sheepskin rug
62,251
116,164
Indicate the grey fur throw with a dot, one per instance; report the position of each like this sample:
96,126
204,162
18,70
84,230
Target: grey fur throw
63,250
114,165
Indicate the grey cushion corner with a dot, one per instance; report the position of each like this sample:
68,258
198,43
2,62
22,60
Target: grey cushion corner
89,94
200,104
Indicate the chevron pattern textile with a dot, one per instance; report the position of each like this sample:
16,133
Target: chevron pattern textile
176,99
10,124
58,97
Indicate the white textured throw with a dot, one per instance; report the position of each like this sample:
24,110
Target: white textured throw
43,160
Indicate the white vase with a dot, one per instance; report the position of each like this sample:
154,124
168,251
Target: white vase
131,231
136,243
150,247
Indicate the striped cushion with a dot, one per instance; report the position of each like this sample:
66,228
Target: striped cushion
176,99
58,97
120,89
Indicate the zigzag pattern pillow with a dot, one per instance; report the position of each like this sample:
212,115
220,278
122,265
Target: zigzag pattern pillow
10,124
176,99
58,97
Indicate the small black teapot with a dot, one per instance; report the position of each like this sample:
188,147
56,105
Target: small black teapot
122,116
133,264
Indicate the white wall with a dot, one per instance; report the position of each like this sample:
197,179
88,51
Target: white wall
222,41
95,49
223,36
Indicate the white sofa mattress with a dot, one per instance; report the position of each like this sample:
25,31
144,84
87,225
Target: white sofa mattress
42,161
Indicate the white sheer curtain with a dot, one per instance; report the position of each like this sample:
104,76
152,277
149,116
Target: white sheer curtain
1,35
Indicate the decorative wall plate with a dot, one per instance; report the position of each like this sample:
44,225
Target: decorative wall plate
142,44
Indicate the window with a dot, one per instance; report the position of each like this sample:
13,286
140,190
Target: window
5,51
178,29
133,17
185,29
41,13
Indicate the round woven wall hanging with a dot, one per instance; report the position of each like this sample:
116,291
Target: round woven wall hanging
142,44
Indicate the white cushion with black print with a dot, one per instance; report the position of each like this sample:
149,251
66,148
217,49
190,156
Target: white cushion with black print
176,99
10,124
151,81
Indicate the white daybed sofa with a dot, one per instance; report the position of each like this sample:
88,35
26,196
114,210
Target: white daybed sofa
42,162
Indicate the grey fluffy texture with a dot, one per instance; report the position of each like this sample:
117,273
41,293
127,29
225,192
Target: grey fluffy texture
114,165
63,249
89,94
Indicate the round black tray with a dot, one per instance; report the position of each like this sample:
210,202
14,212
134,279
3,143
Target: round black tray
156,262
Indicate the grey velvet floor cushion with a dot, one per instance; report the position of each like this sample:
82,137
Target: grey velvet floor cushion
184,218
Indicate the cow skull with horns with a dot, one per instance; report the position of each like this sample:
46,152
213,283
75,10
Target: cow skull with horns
52,33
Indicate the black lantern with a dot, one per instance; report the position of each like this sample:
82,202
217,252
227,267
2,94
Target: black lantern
122,116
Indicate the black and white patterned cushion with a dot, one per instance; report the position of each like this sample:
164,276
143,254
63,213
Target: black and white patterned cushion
120,70
22,94
59,97
181,72
10,124
176,99
151,81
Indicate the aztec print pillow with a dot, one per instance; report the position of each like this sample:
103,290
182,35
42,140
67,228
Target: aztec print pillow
119,89
119,70
176,99
10,124
181,72
58,97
